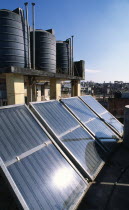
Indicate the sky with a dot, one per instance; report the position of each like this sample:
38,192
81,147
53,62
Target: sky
100,29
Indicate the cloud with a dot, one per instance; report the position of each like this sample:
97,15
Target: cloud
92,71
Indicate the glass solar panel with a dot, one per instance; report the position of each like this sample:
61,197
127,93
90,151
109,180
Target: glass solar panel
56,116
103,113
19,132
113,122
75,138
84,148
90,159
89,118
44,178
91,102
47,181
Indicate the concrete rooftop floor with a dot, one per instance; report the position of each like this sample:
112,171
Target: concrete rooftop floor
110,190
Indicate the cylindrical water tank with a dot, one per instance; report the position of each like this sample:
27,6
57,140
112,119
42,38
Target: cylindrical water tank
79,68
13,39
62,57
45,50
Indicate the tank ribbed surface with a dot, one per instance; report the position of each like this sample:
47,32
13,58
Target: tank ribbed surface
45,50
62,57
13,40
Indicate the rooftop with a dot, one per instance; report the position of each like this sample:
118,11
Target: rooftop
110,189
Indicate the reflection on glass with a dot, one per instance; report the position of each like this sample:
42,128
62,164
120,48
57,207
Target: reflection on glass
63,177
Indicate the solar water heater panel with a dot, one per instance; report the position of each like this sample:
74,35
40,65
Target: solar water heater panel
47,181
19,132
80,144
86,151
113,123
56,116
91,102
103,113
89,118
34,167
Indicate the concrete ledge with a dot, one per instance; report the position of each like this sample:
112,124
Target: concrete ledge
40,73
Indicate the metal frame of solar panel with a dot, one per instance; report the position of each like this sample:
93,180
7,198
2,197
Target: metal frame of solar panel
74,140
103,114
91,122
36,170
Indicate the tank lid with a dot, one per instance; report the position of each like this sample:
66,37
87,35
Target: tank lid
18,11
41,30
61,41
51,31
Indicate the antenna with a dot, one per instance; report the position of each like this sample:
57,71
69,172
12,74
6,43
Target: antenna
33,24
28,32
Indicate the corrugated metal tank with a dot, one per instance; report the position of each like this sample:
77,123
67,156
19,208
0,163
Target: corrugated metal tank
13,40
79,68
62,57
45,50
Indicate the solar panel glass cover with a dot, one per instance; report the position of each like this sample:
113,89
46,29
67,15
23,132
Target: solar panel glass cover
89,118
86,151
37,169
76,139
19,132
113,122
56,116
47,181
103,113
91,102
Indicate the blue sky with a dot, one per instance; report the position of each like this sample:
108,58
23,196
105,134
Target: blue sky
100,29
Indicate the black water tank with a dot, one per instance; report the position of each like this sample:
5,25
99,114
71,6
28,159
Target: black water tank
62,57
79,68
13,39
45,50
